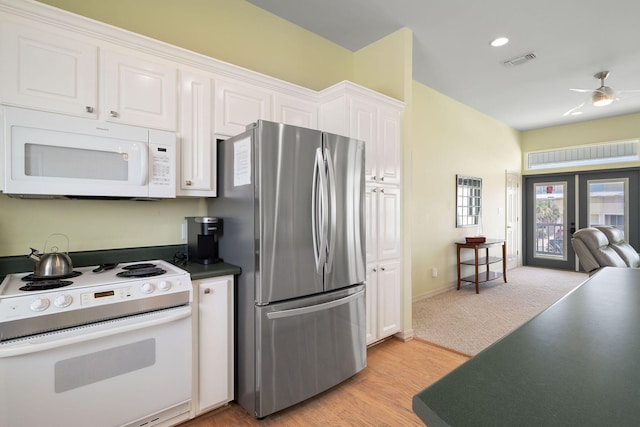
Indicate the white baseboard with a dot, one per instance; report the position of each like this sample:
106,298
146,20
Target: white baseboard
405,336
435,292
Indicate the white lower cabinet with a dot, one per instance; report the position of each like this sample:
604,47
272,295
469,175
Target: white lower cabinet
213,343
383,300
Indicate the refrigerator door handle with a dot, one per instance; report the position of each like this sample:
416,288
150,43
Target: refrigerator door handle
313,308
319,211
331,247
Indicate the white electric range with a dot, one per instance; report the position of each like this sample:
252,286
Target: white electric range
103,348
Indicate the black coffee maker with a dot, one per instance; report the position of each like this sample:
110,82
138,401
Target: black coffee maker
203,233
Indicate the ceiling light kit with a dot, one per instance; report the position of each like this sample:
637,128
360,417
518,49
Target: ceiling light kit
500,41
604,94
600,97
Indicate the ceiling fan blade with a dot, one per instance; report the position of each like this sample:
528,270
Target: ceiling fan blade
574,109
581,90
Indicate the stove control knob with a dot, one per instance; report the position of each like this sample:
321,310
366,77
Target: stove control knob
62,301
147,288
164,285
39,304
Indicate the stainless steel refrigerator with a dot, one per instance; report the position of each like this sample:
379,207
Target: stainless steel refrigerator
293,204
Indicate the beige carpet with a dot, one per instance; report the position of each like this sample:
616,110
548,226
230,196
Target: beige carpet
468,322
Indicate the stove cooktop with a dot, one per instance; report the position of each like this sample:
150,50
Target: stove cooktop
26,283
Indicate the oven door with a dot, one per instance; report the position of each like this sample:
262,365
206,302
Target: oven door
135,369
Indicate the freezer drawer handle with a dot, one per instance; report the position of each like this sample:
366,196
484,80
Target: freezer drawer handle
313,308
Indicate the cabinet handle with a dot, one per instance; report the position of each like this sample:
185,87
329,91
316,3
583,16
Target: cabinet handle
382,268
113,113
374,190
373,178
207,290
375,270
88,109
188,182
382,190
382,178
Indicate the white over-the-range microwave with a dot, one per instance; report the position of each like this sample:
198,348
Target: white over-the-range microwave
54,155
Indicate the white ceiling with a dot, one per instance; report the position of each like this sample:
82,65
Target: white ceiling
572,40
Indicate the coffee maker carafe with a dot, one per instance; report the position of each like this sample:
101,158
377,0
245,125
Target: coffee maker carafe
203,233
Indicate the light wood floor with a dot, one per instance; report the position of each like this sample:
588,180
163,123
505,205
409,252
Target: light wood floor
380,395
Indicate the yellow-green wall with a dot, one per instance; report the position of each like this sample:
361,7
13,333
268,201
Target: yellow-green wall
449,138
233,31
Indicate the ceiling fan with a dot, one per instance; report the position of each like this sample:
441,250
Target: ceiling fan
600,97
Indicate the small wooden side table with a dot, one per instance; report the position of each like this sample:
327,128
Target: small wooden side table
487,275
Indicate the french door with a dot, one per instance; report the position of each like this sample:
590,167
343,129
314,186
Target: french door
549,221
610,198
557,205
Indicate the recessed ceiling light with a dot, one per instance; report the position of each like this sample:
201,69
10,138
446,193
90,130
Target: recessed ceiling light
500,41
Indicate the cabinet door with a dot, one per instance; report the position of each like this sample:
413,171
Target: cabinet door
215,342
297,112
138,91
389,223
388,150
372,303
197,152
48,71
371,222
388,298
238,105
363,126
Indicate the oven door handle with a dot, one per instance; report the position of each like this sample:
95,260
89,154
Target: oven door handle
70,336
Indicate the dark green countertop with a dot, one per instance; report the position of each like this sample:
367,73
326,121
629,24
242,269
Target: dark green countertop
170,253
201,271
576,363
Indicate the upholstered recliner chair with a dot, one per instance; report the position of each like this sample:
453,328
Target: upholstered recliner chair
603,246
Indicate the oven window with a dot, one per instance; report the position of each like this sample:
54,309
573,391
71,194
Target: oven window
93,367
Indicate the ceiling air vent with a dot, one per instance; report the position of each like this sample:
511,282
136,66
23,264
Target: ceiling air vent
519,60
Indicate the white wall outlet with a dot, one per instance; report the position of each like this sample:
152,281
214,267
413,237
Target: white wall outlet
184,231
434,272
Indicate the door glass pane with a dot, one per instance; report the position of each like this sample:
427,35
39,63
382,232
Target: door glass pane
607,202
550,215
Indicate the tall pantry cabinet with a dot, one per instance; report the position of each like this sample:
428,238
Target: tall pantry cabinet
351,110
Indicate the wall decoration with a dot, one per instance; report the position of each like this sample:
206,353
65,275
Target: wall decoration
468,201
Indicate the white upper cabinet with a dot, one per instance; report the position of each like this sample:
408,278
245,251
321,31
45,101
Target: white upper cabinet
197,153
295,111
363,120
55,70
138,91
388,160
238,104
50,71
351,110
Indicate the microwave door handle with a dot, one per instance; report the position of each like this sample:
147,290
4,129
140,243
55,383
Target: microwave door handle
141,169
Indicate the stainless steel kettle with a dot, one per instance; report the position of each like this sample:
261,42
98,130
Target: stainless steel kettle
53,264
